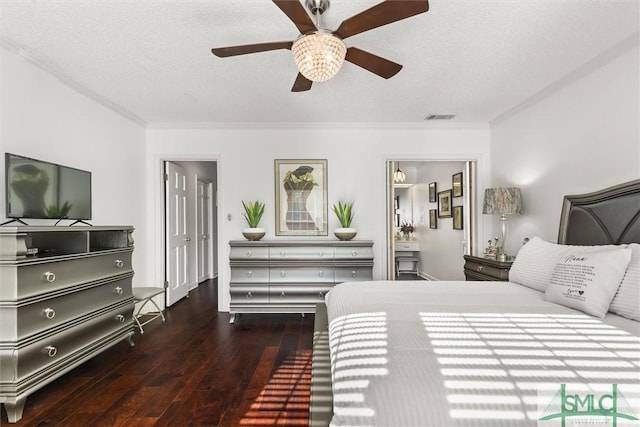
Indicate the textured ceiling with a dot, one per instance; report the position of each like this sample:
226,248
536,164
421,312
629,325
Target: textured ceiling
152,58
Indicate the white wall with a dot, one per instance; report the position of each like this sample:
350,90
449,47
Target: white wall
43,118
582,137
356,157
441,249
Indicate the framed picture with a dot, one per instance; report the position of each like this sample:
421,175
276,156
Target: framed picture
433,218
457,218
456,184
301,197
432,192
444,204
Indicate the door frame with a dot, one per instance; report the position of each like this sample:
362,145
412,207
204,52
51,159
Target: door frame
156,230
478,172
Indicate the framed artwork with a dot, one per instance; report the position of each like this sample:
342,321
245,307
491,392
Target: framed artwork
444,204
433,218
432,192
456,184
457,218
301,197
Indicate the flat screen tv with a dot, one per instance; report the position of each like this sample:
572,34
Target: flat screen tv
39,189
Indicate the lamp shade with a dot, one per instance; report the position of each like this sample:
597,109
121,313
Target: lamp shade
318,55
502,201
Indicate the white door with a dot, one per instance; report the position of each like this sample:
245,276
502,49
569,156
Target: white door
177,238
204,229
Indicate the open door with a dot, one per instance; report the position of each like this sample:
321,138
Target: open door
176,232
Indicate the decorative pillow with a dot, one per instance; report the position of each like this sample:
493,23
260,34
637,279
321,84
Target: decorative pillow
626,302
535,262
588,280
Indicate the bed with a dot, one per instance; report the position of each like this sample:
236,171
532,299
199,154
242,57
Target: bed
558,343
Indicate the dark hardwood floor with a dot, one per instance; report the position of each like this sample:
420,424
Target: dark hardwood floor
196,369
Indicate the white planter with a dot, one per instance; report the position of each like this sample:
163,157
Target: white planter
345,233
253,233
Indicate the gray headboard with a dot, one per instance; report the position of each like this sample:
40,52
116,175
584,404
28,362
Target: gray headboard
605,217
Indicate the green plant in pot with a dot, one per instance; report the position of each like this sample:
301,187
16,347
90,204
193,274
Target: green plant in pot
253,212
344,212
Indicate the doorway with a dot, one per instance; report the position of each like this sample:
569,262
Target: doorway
440,221
190,231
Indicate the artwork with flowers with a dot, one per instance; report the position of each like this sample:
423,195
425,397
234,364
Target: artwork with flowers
301,197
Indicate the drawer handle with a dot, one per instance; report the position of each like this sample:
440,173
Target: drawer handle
321,294
249,294
50,277
354,274
50,351
282,294
249,274
320,254
118,263
283,274
249,253
283,253
120,318
321,273
49,313
480,268
354,253
118,290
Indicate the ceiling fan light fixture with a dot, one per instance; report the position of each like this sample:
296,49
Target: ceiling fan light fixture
319,55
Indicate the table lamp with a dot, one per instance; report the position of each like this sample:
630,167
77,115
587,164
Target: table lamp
502,201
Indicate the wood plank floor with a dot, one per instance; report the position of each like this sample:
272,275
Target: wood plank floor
197,369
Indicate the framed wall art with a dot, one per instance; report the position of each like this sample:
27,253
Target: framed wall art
301,197
456,184
444,204
433,218
457,218
432,192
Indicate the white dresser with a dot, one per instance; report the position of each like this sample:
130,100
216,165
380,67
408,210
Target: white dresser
407,256
292,276
60,306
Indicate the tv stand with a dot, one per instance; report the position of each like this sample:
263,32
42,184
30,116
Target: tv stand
12,221
80,221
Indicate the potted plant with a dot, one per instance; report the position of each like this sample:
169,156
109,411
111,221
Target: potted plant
344,212
253,213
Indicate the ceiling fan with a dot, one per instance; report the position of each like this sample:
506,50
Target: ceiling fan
318,52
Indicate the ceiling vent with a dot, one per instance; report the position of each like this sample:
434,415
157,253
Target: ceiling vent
440,117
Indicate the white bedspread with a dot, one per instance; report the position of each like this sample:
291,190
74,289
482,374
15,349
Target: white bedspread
470,354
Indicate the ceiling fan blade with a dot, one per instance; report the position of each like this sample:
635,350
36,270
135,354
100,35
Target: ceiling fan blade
297,13
244,49
301,84
375,64
381,14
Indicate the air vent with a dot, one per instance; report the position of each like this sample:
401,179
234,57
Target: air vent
440,117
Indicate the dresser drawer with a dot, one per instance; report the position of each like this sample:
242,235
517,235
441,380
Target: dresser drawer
350,274
250,275
483,271
249,253
49,352
39,278
297,294
248,294
353,253
47,313
301,274
301,253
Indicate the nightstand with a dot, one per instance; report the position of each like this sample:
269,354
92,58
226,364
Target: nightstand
480,268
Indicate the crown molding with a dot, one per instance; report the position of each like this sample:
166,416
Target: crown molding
67,80
316,125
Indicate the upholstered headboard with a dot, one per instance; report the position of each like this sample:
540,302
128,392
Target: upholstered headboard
609,216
